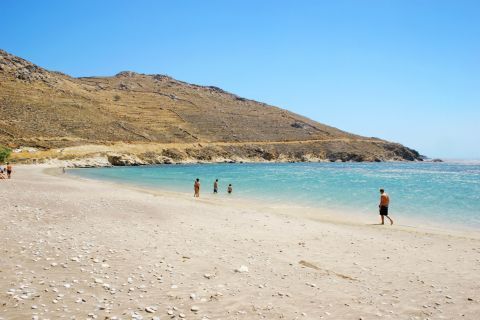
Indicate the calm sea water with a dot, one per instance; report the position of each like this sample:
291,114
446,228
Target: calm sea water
440,192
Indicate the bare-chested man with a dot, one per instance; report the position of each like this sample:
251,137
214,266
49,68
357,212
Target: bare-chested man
196,188
9,170
383,206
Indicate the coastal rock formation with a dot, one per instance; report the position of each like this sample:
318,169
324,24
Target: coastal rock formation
124,160
134,118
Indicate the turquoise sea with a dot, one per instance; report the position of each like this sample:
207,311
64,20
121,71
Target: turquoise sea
435,192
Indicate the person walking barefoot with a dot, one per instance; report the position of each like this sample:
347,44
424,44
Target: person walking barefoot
383,206
215,186
196,188
9,170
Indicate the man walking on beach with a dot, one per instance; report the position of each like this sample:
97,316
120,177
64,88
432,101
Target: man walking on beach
196,188
383,206
215,186
9,170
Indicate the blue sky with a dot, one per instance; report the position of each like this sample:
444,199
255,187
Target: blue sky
406,71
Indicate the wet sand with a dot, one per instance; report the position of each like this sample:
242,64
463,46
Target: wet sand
81,249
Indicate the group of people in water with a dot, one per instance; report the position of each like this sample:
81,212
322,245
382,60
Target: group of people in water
382,206
196,188
6,173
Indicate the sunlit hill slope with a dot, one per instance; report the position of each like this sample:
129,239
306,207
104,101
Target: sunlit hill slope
156,119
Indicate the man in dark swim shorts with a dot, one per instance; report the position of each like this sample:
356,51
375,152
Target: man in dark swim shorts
9,170
383,206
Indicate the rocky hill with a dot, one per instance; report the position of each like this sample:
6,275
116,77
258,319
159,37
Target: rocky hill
155,118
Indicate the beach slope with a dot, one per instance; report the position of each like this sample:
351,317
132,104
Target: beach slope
86,249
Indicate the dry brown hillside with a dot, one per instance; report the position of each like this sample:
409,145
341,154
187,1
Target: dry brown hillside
155,115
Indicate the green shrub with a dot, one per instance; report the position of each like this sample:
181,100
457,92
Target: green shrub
4,153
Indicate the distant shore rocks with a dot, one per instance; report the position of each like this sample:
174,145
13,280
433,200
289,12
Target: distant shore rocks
152,158
124,160
205,153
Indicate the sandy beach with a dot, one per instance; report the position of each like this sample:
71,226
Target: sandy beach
80,249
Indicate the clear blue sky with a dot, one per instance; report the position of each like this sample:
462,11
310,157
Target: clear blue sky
406,71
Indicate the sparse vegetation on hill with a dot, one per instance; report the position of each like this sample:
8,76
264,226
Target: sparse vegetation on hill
4,153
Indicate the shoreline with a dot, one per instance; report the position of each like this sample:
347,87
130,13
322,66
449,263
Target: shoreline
144,153
310,212
126,160
74,247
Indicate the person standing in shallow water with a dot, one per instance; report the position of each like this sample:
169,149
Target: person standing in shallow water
196,188
383,206
230,188
215,186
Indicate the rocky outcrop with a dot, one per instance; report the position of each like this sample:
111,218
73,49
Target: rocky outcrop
24,70
124,160
91,162
174,154
155,158
400,152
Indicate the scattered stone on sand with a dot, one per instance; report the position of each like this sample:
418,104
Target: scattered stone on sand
195,308
151,309
242,269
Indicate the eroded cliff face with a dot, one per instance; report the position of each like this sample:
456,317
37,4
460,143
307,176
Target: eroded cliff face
53,111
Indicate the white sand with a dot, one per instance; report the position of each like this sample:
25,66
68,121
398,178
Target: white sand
79,249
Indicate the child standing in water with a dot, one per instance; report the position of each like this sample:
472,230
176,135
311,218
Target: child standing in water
196,188
230,188
215,186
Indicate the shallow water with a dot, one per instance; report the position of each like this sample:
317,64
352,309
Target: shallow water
440,192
